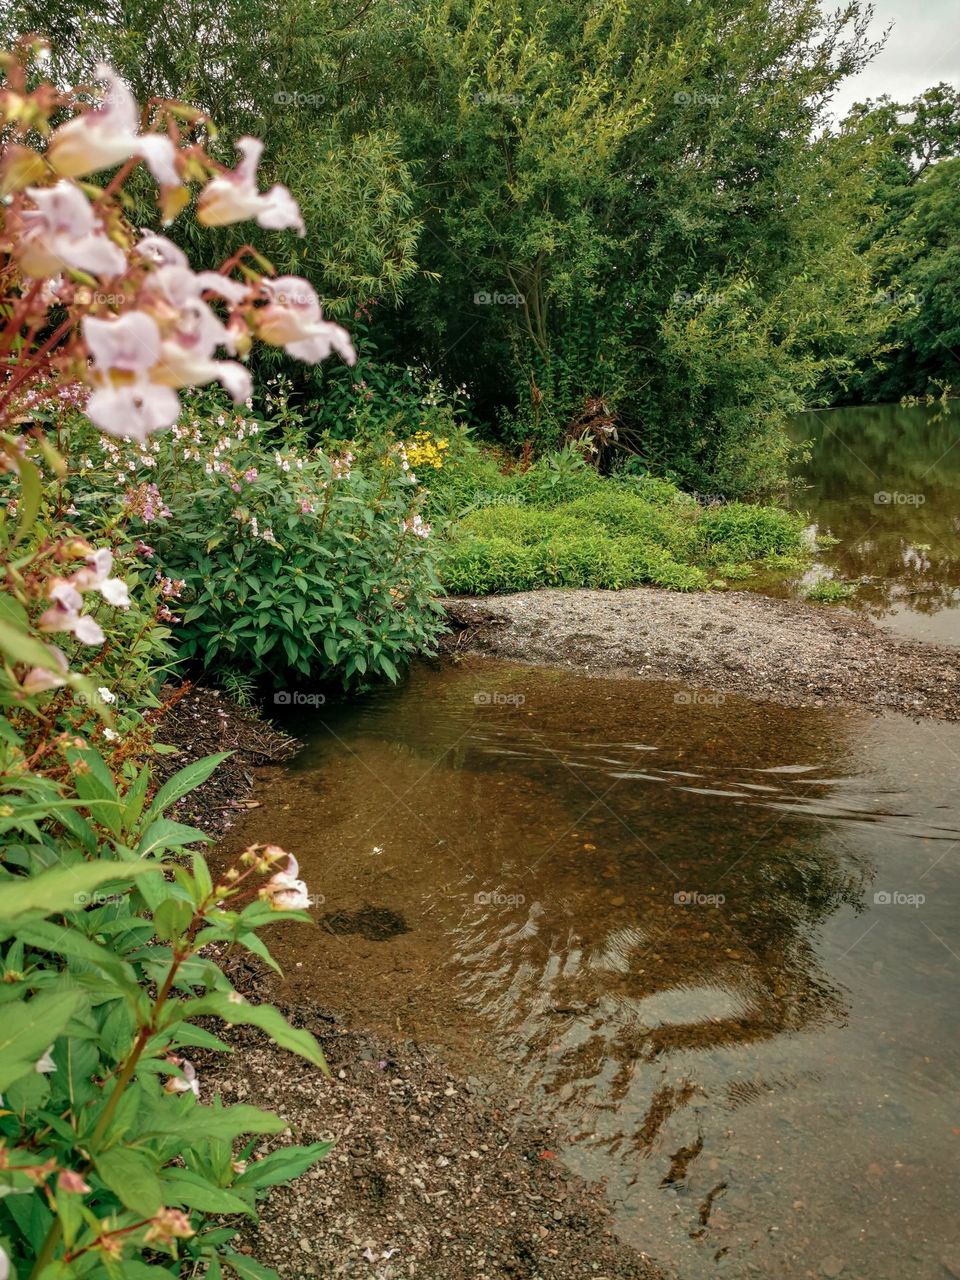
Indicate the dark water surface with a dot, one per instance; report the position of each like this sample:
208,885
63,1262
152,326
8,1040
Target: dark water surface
886,482
718,942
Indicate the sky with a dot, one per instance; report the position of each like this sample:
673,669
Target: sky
922,49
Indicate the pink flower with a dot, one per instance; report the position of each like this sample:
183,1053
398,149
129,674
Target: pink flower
108,136
188,1082
187,353
61,618
174,282
95,577
135,411
233,196
294,320
63,231
167,1225
142,549
130,344
284,891
39,679
418,526
250,475
161,251
66,595
72,1181
307,508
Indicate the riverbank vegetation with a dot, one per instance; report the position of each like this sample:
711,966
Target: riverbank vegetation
586,266
644,222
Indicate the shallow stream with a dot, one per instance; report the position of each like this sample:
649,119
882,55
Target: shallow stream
717,942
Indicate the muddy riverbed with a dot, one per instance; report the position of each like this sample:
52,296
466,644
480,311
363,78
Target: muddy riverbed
712,942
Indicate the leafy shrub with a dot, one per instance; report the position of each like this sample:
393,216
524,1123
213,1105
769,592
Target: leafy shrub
106,1144
745,532
556,478
616,535
830,591
277,558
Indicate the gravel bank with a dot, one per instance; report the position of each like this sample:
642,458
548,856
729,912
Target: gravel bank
431,1175
775,650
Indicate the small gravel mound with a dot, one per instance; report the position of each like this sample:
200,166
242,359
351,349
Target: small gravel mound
780,651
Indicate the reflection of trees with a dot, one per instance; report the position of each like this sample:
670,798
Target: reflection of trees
903,553
592,990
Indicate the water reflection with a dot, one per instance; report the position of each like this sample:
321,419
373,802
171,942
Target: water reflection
659,919
885,481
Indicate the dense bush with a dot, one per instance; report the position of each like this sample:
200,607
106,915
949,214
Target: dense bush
277,557
616,533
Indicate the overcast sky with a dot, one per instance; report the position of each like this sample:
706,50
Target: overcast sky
922,49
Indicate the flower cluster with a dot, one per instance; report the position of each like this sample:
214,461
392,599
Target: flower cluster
417,526
425,451
66,598
153,326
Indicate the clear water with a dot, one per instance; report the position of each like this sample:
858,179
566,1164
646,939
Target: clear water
766,1072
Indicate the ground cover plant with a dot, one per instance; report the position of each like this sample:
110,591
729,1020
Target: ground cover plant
561,524
114,1160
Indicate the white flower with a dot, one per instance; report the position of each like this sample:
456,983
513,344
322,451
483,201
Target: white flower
46,1064
108,136
188,1083
284,891
233,196
106,695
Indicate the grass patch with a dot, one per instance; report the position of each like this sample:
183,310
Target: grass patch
829,591
559,524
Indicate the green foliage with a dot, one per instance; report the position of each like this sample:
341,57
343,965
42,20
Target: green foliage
913,231
106,1148
279,558
635,203
830,591
615,533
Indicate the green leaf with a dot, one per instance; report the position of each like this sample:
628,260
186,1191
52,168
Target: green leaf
188,779
164,833
195,1123
47,936
131,1176
19,646
29,1027
184,1187
65,889
281,1166
264,1016
172,918
247,1268
31,491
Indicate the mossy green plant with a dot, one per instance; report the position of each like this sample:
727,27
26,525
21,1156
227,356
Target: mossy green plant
830,591
559,524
